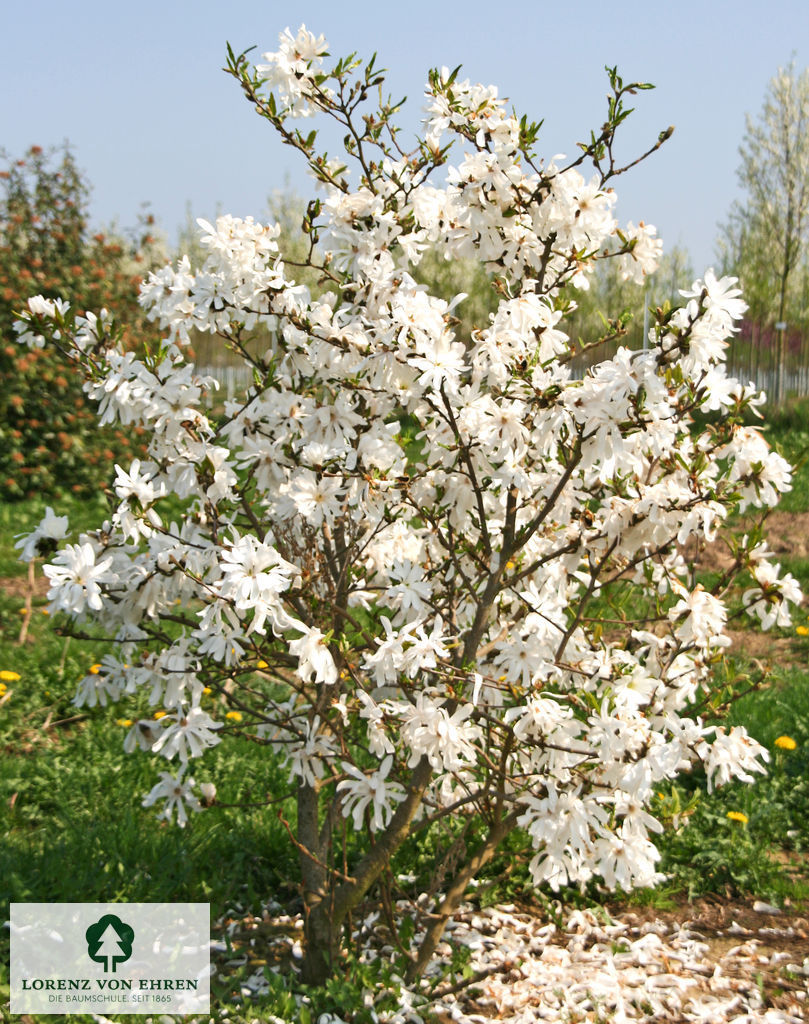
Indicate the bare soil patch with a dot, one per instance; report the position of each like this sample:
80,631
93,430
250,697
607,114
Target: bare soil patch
787,534
17,586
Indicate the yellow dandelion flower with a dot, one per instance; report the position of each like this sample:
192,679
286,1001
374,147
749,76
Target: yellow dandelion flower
262,664
160,714
45,611
3,689
22,611
509,565
9,677
234,716
737,816
124,722
802,630
207,691
95,669
786,743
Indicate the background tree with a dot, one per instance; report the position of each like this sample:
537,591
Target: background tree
764,241
49,437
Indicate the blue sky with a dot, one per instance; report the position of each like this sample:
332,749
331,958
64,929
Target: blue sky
139,92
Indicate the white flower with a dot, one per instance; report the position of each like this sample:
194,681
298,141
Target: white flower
177,795
51,528
722,300
409,590
76,578
379,742
42,306
96,689
313,656
732,754
186,734
208,792
307,759
447,740
424,652
292,68
442,366
627,859
770,601
254,577
645,254
374,792
314,499
705,618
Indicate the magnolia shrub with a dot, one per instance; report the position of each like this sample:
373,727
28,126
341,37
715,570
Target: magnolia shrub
441,577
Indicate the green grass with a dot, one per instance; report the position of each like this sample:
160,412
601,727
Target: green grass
70,804
713,853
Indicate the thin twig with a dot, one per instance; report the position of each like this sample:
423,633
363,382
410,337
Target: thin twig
308,853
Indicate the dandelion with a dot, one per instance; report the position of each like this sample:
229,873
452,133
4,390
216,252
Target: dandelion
262,664
785,743
160,714
802,630
3,689
95,669
234,716
207,691
22,611
124,722
737,816
9,677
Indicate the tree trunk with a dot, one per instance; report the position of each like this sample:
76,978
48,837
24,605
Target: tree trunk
319,933
456,893
322,945
780,369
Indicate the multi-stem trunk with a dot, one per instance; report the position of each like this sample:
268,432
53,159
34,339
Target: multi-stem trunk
327,904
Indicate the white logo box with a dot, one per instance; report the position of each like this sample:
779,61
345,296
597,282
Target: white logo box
110,958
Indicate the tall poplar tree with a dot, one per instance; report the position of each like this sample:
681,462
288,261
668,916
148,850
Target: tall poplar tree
765,238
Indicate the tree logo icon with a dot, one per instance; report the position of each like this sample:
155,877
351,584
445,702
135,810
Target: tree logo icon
109,941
